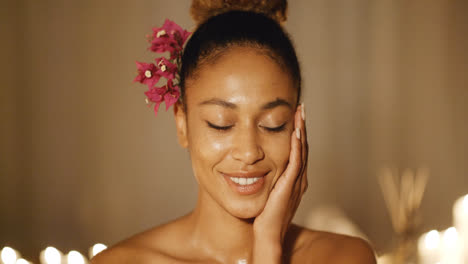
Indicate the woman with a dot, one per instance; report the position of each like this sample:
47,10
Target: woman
240,119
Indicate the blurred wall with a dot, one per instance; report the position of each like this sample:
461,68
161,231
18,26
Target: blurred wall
84,161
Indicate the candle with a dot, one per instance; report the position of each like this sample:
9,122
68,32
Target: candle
96,249
460,216
75,257
8,255
50,255
429,248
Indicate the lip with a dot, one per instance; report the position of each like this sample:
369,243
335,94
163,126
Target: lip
246,189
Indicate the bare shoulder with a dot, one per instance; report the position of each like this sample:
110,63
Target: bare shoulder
324,247
151,246
131,254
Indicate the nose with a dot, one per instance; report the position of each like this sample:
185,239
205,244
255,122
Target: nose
247,147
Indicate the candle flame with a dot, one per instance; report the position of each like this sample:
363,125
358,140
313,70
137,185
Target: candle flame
450,237
98,248
432,239
74,257
52,256
465,204
8,255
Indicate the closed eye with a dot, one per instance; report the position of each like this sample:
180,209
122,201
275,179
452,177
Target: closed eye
224,128
219,127
276,129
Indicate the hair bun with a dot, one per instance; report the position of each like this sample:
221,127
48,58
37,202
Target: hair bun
201,10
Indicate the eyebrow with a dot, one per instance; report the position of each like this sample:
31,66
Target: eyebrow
267,106
277,102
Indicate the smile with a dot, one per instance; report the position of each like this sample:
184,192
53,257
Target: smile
245,183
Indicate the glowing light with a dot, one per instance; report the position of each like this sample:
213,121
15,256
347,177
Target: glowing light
97,249
74,257
450,237
465,204
22,261
52,256
432,239
8,255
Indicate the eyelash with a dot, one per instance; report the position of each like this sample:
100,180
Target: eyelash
223,128
269,129
276,129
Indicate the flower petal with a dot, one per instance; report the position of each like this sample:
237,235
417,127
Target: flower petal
172,95
156,95
156,108
166,68
143,74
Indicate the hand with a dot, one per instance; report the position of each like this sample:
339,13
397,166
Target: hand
271,225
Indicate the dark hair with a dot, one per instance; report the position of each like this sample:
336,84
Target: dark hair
238,28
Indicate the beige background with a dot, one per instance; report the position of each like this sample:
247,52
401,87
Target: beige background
84,161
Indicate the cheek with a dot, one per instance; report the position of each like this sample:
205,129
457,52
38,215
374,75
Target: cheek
278,149
206,149
209,149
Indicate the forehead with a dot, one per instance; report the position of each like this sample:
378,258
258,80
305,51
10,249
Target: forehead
243,76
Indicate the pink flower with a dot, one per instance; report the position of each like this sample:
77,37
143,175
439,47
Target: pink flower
162,45
170,37
172,94
166,68
156,95
148,74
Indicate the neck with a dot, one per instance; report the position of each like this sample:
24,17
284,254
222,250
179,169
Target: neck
219,234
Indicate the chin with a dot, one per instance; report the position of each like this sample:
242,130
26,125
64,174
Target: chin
247,209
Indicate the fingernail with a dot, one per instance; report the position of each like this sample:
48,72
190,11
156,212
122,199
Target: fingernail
298,133
302,111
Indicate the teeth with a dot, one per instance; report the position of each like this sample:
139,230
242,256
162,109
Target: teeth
244,181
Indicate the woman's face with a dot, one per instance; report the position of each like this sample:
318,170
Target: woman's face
237,128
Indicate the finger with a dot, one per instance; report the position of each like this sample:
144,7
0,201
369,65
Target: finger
298,140
301,178
305,151
293,168
305,181
298,124
304,143
292,171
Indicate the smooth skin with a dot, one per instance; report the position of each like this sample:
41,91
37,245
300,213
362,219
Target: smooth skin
242,115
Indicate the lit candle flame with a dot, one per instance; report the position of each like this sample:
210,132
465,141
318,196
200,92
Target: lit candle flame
432,239
75,257
465,204
52,256
97,249
450,237
8,255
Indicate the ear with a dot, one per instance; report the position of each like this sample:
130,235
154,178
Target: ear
181,124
